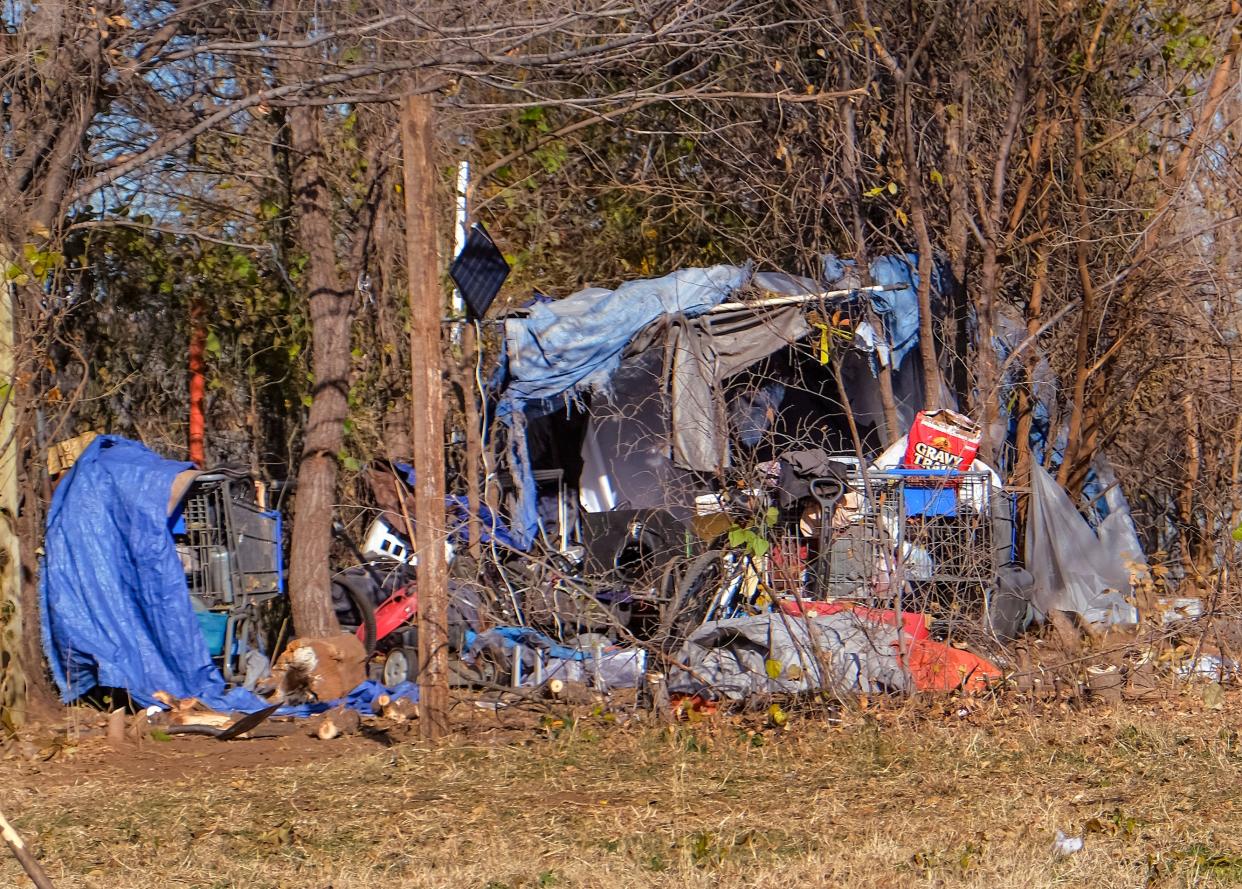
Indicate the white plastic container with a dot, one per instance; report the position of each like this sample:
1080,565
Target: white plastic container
383,542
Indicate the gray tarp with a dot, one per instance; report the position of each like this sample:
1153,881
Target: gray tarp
708,351
1075,569
738,658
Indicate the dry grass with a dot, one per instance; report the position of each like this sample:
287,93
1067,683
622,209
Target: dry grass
924,796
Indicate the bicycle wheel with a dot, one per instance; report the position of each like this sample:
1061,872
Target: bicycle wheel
684,612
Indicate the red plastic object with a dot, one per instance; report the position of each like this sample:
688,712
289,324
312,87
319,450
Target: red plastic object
942,439
935,666
913,624
395,611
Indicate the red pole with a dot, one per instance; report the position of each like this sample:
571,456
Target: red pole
198,384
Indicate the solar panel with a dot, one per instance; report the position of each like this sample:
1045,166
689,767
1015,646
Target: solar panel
479,271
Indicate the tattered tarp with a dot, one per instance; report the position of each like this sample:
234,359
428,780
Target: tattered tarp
1075,569
115,607
776,653
565,347
832,648
609,667
708,351
898,308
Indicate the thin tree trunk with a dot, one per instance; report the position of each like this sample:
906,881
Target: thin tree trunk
1190,481
992,207
1235,476
13,667
955,122
427,398
310,588
1043,133
1086,316
1086,312
918,219
851,168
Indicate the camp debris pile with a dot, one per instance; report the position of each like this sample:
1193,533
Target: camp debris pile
704,495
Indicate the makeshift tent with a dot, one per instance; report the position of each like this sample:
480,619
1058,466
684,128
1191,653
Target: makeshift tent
655,358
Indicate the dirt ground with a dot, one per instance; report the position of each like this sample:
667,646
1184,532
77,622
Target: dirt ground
938,792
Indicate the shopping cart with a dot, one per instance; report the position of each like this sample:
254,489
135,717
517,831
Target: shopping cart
230,547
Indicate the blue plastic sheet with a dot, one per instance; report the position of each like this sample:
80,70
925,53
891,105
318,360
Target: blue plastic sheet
898,309
115,607
491,528
564,348
507,637
116,611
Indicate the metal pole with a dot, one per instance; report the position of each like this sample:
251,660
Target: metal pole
800,298
461,222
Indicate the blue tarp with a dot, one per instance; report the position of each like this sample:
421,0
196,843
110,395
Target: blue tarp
563,348
491,528
115,607
898,309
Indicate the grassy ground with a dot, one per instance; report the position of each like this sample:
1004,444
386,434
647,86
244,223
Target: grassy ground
928,795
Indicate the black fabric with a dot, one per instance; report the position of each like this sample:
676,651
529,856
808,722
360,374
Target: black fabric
800,468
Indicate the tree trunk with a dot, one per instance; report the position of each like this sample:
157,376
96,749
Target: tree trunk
918,219
1086,313
851,171
310,586
427,400
1190,483
13,667
955,122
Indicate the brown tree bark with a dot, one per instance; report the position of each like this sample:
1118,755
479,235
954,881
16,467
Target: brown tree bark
992,215
427,400
1190,481
851,171
1086,312
955,123
918,219
310,585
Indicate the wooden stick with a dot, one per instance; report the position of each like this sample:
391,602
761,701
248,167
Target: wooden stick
29,863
